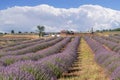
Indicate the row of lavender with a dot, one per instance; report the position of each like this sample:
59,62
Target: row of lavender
24,45
106,58
19,43
48,68
14,39
111,38
32,48
110,44
10,59
115,36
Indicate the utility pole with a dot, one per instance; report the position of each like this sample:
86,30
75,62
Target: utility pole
92,30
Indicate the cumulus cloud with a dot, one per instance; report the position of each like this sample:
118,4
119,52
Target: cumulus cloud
83,18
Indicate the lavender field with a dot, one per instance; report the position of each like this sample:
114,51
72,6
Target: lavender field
49,59
60,40
107,53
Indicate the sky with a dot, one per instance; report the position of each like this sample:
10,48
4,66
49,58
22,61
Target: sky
57,15
114,4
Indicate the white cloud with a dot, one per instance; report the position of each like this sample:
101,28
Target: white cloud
83,18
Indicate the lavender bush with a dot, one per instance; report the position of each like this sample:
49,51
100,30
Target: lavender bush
7,60
48,68
106,58
33,48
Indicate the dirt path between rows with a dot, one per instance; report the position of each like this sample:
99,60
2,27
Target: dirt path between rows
85,68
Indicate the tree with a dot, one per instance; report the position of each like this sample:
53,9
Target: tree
19,32
12,31
41,30
117,29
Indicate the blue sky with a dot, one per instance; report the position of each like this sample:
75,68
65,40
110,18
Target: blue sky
57,15
113,4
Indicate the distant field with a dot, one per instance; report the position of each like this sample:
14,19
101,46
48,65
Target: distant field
108,33
11,39
21,36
